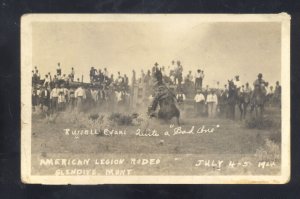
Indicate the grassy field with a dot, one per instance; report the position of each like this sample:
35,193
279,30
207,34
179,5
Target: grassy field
230,141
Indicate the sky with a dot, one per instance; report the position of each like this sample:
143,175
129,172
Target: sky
222,49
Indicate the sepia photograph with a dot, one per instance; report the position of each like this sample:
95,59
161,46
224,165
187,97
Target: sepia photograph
155,98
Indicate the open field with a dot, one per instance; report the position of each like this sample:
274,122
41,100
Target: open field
178,152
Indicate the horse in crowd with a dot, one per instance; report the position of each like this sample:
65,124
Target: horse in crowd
258,101
236,97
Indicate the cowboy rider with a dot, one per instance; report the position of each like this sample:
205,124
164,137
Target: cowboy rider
160,90
259,85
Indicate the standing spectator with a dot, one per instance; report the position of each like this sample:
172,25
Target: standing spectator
65,78
38,96
111,80
100,76
45,98
189,76
247,89
277,91
38,76
106,74
55,79
225,88
178,73
62,97
71,98
199,79
92,74
199,102
33,77
163,71
118,95
126,82
142,76
206,91
212,102
270,96
54,98
58,70
80,96
72,75
47,81
119,79
95,95
133,77
33,99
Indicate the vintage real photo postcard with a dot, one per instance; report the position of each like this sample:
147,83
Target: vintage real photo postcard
155,98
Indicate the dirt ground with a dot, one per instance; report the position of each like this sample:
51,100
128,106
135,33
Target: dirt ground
230,140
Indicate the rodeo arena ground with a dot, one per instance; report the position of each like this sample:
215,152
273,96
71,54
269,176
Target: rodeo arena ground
159,113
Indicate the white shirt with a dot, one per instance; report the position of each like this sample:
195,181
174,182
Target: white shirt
94,94
80,92
119,95
183,96
150,98
199,75
105,72
212,98
47,80
238,84
54,93
199,97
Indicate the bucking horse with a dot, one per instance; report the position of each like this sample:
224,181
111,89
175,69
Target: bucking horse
166,100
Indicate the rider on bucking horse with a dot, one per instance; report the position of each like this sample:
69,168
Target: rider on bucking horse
160,90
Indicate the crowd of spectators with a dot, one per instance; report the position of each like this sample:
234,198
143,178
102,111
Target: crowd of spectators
61,91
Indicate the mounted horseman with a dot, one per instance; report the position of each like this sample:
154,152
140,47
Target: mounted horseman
163,97
258,96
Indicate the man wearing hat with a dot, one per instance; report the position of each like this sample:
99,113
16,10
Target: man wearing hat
45,98
58,69
160,90
236,81
199,102
92,74
259,85
80,96
212,102
54,97
199,79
